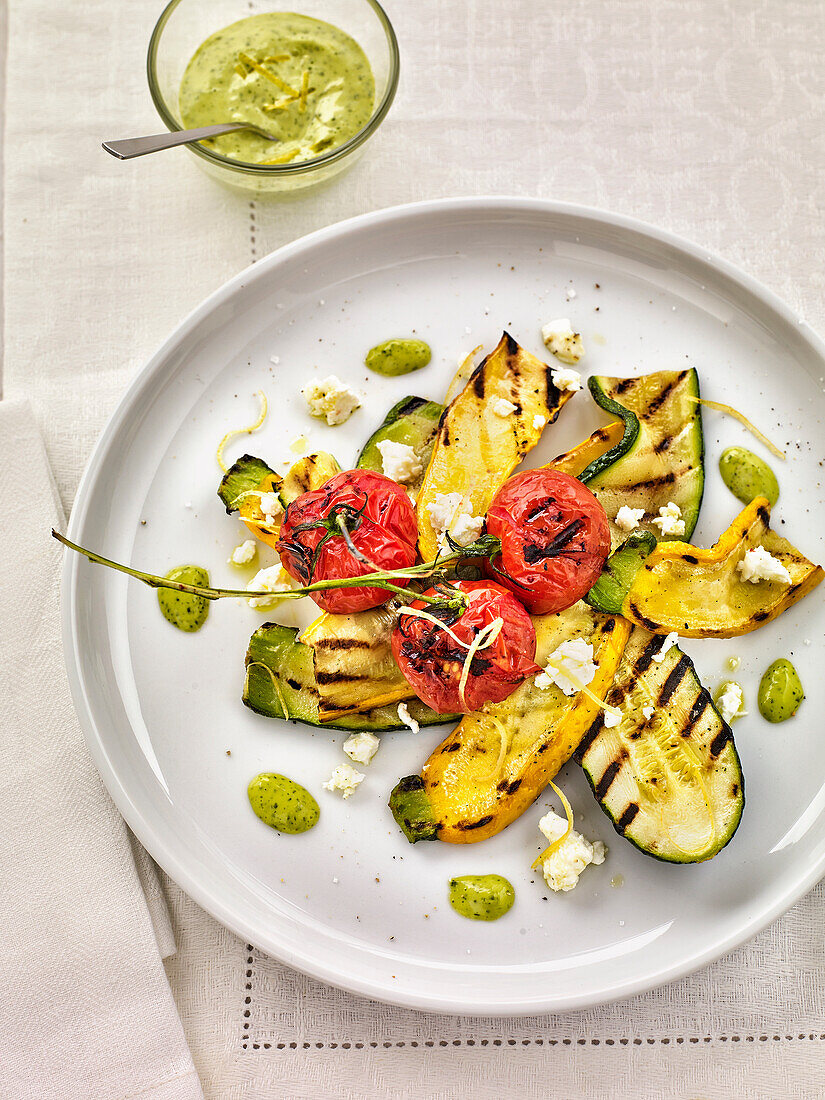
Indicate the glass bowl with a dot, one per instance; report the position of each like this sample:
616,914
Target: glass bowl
185,24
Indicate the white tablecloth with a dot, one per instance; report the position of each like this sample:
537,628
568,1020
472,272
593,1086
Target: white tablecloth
704,116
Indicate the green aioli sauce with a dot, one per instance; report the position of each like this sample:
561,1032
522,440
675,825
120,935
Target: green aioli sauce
780,692
182,609
747,475
282,804
396,357
300,79
481,897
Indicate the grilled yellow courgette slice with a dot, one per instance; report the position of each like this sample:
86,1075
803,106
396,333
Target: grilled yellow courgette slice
477,449
309,472
354,665
498,761
668,774
700,593
660,457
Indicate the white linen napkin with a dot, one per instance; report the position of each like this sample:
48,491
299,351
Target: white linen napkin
85,1005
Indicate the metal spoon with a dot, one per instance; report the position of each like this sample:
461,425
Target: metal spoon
140,146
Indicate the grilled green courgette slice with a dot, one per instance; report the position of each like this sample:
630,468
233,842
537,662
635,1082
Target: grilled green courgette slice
280,683
670,782
413,421
660,457
610,590
243,476
310,472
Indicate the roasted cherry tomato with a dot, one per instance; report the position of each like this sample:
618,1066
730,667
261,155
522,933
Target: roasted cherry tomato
554,539
432,656
380,520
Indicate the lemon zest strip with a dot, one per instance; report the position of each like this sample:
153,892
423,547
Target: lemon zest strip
729,409
242,431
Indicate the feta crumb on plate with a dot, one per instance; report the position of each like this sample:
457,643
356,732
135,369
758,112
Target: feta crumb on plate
503,407
244,553
451,512
399,461
563,867
567,345
628,519
730,702
758,565
667,644
361,747
573,657
344,779
669,520
331,399
273,579
407,718
565,378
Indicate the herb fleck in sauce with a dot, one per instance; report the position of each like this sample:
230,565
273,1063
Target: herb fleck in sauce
301,79
282,804
183,609
396,357
481,897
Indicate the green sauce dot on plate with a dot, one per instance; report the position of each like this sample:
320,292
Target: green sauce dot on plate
481,897
183,609
780,692
747,475
283,804
395,357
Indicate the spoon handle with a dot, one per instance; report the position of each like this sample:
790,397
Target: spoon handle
140,146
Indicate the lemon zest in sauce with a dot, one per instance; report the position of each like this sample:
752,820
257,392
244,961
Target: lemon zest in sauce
729,409
245,59
242,431
282,159
302,99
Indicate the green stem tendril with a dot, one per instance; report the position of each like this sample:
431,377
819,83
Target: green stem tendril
380,579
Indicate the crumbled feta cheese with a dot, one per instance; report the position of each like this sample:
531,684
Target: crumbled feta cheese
758,565
670,520
275,359
628,519
648,712
274,579
407,718
563,342
450,512
244,553
610,719
731,701
361,747
570,294
331,400
539,422
503,407
399,461
565,378
667,644
270,505
576,658
563,867
345,779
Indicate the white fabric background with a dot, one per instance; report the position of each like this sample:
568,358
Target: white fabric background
704,116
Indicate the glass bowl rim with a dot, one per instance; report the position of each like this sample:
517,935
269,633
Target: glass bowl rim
375,119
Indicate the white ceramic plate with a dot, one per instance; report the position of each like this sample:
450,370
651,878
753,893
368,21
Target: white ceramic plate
351,902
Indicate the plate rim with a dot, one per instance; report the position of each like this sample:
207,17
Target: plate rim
162,849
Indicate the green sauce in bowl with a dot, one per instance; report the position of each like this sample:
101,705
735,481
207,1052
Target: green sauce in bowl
301,79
